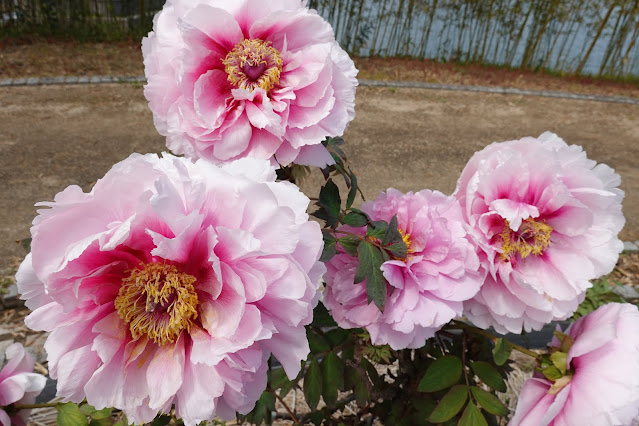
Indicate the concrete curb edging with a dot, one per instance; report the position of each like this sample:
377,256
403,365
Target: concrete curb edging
100,79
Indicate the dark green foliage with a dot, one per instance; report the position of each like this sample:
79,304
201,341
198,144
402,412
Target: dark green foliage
450,404
489,375
333,378
443,373
71,414
370,259
502,351
472,416
489,402
313,384
596,296
330,246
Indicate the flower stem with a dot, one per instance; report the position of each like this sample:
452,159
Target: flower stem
462,325
30,406
290,412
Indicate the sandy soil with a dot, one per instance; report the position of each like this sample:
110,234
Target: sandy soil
54,136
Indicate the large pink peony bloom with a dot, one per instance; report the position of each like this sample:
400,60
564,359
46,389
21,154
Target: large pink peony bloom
601,386
18,384
172,282
546,219
247,78
425,290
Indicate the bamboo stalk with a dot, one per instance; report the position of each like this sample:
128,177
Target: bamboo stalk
581,65
513,49
431,16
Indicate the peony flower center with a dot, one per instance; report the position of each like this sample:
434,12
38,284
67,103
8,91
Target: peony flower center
157,301
253,63
532,237
407,241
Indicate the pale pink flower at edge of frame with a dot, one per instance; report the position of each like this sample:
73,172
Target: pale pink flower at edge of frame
18,384
440,271
546,220
604,388
248,78
172,282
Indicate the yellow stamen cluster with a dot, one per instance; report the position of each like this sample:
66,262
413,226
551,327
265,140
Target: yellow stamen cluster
249,56
407,241
532,237
157,301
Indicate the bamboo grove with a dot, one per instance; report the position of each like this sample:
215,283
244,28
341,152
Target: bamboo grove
596,37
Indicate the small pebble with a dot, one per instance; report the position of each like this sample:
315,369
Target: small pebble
630,246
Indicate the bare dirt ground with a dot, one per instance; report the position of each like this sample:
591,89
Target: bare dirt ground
54,136
41,59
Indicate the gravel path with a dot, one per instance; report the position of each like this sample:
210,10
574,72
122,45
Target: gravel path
99,79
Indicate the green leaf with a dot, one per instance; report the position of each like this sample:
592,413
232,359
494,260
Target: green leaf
397,250
502,351
87,409
472,416
441,374
107,421
322,318
352,192
450,405
392,234
317,417
317,342
551,373
377,229
489,375
104,413
337,336
370,260
277,378
489,402
161,420
339,167
330,246
313,384
360,390
330,200
372,372
70,415
333,378
354,219
293,383
26,244
264,405
334,144
378,354
566,341
559,360
350,243
423,408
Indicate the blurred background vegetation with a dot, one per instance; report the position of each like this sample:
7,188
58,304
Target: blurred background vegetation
584,37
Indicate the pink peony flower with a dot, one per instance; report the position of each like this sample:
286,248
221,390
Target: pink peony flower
172,282
546,220
601,386
247,78
426,289
18,384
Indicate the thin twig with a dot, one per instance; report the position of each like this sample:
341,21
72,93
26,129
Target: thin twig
462,325
290,412
31,406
